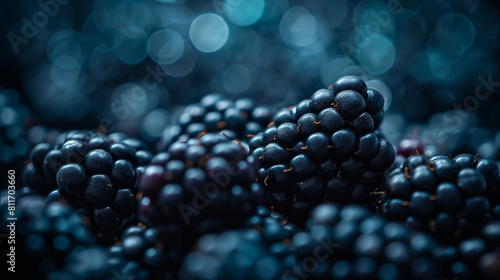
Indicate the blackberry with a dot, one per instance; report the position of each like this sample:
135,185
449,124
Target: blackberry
200,185
240,119
260,251
87,263
232,255
477,257
14,143
45,234
97,174
353,244
324,149
444,196
410,146
152,253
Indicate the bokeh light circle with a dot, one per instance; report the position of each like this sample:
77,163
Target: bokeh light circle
209,32
129,101
376,54
298,27
154,123
332,70
131,45
243,12
236,79
308,59
455,33
166,46
184,65
65,71
68,43
103,63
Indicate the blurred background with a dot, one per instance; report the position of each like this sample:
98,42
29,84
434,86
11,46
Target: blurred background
129,66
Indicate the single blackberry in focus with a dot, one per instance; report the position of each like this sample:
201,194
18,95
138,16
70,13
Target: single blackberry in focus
45,234
324,149
260,251
200,185
356,245
152,253
474,258
444,196
239,119
97,174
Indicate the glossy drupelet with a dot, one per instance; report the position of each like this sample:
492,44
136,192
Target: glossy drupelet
325,148
451,198
239,119
200,186
97,174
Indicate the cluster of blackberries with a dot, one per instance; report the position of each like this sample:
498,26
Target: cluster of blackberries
98,175
14,117
151,253
231,194
45,234
451,198
340,243
477,257
324,149
259,251
361,246
200,185
241,119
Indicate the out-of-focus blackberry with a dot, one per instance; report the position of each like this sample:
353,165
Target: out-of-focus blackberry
239,119
97,174
413,145
474,258
237,254
14,147
44,234
152,253
350,243
88,263
444,196
19,133
260,251
325,148
201,185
